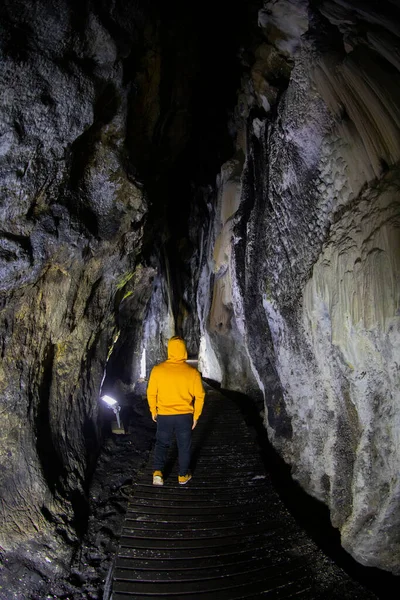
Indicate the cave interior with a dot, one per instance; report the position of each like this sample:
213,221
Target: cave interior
227,172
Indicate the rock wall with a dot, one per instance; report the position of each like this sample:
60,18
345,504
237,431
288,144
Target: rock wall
72,221
304,262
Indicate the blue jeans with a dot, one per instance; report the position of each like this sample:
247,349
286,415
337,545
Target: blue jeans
166,425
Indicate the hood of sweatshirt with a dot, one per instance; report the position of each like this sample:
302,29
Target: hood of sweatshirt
177,350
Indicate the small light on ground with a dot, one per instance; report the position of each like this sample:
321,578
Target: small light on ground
113,404
110,401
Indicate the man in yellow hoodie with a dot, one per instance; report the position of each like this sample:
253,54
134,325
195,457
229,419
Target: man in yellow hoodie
175,395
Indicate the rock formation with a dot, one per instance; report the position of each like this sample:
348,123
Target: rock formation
305,261
72,220
231,175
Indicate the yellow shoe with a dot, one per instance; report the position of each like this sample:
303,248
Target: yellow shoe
158,478
184,479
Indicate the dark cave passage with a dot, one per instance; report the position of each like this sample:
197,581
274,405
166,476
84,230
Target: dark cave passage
228,173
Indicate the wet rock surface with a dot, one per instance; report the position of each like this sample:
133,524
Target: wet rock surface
72,225
87,577
304,232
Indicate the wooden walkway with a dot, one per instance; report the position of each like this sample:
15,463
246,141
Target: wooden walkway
223,536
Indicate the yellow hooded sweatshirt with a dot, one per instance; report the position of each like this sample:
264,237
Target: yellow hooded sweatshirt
175,388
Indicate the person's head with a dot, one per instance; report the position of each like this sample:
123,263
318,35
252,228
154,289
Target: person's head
177,349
